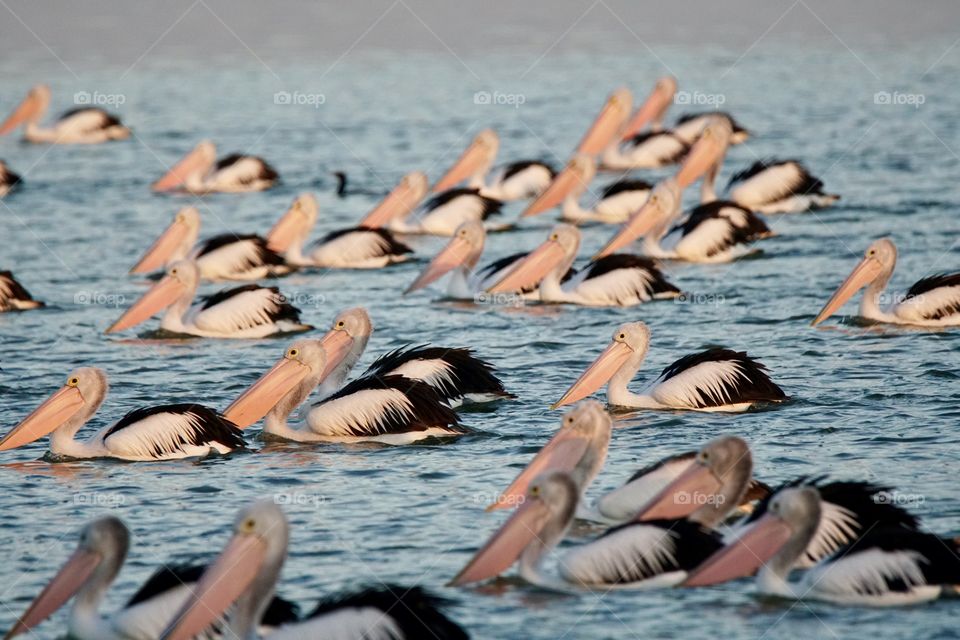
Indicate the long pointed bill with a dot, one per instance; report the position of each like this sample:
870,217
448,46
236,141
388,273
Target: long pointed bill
197,161
163,248
64,585
744,556
27,110
221,584
566,182
399,203
597,374
57,409
608,124
562,453
257,401
865,273
453,255
530,270
159,297
506,545
653,109
471,161
336,345
287,229
706,153
688,492
639,224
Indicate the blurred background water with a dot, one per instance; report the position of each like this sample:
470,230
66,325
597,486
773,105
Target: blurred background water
878,404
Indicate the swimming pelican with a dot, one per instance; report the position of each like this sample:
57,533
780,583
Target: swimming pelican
350,248
689,126
615,203
713,380
887,566
639,149
13,296
608,124
8,179
442,214
200,172
164,432
456,374
245,575
389,409
461,256
578,448
931,302
87,575
227,256
84,125
618,280
514,181
673,537
250,311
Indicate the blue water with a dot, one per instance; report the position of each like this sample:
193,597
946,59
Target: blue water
876,404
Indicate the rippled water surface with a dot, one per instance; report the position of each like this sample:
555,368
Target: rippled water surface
869,403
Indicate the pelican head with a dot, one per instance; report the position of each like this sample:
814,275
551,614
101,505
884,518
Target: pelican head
292,229
554,256
661,207
572,182
579,448
173,244
29,111
345,341
608,124
474,162
653,109
771,544
192,166
875,268
398,204
463,250
176,287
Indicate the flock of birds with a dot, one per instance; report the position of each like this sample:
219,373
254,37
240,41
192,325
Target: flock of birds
854,545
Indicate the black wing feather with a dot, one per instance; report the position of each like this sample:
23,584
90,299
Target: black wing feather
208,426
613,262
393,247
265,255
754,385
625,185
490,205
514,168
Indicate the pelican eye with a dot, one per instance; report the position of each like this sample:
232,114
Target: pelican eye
248,525
534,491
554,236
872,252
293,353
622,336
74,381
174,271
704,456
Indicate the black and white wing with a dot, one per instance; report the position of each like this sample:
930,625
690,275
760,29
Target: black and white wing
85,120
171,431
716,227
933,298
658,553
621,199
652,149
246,308
768,182
519,180
358,248
242,170
714,378
13,296
230,255
620,280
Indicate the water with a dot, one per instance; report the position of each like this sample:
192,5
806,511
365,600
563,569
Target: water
869,403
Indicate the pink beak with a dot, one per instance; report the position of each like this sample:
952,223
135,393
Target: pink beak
159,297
257,401
653,109
562,453
471,161
683,496
864,273
608,124
64,585
56,410
744,556
597,374
289,227
457,252
165,249
571,178
28,110
399,203
707,152
198,161
225,580
506,545
337,345
533,268
639,224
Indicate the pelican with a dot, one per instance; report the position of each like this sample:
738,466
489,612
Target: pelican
931,302
461,256
617,280
400,202
442,214
578,448
8,179
350,248
13,296
250,311
245,575
608,125
887,566
639,149
689,126
391,409
614,205
200,172
456,374
227,256
87,575
514,181
718,231
713,380
164,432
85,125
670,538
